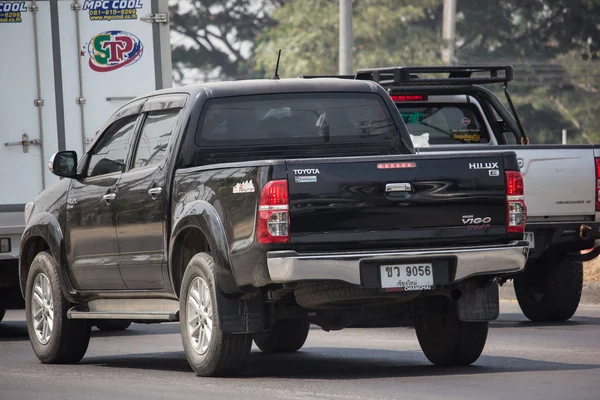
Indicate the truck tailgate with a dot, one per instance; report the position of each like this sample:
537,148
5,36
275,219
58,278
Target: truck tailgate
401,200
559,179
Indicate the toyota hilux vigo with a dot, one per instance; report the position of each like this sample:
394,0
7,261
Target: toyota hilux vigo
248,210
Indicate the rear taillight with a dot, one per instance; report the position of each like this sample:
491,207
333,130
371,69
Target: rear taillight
516,214
597,184
273,213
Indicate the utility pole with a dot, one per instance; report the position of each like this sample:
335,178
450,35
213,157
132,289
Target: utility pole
448,31
345,47
564,136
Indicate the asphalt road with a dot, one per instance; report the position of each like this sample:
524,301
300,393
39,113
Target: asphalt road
522,360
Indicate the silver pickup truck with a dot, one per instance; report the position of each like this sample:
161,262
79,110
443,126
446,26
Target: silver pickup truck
447,110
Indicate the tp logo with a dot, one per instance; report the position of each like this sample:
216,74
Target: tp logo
112,50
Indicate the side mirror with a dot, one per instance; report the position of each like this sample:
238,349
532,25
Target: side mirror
64,164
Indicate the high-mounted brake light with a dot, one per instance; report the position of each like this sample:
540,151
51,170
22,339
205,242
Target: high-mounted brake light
396,165
273,213
516,214
411,97
597,190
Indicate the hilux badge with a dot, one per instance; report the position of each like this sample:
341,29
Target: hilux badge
244,187
487,165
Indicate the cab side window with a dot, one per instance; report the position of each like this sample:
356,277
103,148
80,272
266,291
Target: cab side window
154,139
110,154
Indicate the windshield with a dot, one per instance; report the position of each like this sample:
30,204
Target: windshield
445,123
300,117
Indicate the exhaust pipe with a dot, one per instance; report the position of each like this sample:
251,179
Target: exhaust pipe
584,231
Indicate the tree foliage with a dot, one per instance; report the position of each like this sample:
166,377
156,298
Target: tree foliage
526,29
385,32
215,37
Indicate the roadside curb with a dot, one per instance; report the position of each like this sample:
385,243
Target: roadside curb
590,294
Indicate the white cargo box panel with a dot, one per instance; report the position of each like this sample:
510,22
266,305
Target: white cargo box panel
92,56
27,104
120,56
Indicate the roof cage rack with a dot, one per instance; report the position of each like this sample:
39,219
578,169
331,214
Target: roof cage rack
457,75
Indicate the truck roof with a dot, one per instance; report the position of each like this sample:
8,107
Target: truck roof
270,86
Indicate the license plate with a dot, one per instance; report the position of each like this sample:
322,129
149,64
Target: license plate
530,237
407,276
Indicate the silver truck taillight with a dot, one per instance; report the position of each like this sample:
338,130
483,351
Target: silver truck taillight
273,213
516,214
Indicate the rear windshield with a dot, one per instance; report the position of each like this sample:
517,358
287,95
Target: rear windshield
445,123
295,118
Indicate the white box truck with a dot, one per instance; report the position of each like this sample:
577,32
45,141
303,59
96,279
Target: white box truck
65,67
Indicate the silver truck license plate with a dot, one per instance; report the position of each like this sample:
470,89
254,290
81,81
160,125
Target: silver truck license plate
530,237
407,276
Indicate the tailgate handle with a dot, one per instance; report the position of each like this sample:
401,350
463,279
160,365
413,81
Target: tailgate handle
398,187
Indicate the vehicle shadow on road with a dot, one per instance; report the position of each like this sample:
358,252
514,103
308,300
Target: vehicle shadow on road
517,321
13,331
167,361
17,330
139,329
335,363
339,363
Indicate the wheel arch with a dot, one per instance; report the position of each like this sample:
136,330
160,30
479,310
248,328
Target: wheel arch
43,233
199,229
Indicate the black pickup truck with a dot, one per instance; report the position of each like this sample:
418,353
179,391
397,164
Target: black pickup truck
248,210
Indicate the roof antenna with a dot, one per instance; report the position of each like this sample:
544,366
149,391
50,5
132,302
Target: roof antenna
276,75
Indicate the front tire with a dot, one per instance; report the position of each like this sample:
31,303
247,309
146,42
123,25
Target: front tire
55,339
446,340
284,336
550,292
209,350
112,326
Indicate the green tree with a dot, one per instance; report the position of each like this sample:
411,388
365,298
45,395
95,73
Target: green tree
386,32
526,29
555,47
214,37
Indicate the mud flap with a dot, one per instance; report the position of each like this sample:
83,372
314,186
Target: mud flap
240,315
478,303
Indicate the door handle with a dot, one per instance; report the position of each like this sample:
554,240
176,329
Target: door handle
107,198
155,192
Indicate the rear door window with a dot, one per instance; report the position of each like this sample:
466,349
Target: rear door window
295,118
445,123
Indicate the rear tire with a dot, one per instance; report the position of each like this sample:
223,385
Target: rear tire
446,340
550,292
55,338
209,351
112,326
284,336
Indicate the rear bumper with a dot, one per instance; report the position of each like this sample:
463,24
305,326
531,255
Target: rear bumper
289,266
564,238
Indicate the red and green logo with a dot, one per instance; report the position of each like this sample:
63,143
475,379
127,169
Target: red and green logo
112,50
